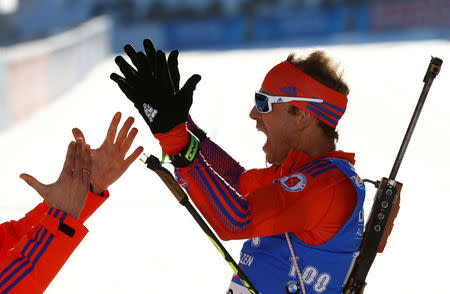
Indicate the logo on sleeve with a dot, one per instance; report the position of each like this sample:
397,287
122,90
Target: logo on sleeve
182,182
358,181
293,183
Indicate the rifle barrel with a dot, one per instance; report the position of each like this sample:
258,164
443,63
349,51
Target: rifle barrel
433,70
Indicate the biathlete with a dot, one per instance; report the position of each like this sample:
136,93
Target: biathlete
303,215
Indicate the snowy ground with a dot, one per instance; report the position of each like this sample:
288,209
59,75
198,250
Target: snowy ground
143,241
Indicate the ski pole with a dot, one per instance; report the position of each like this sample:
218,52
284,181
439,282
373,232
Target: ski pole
387,200
154,164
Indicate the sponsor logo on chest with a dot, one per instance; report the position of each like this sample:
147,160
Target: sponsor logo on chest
246,259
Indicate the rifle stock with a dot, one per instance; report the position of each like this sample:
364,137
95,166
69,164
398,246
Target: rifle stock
378,228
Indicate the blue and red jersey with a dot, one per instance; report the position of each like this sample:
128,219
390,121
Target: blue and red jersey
318,200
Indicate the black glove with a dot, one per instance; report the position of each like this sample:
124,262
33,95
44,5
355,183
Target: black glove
153,89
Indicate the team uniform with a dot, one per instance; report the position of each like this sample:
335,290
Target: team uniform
33,249
314,204
318,200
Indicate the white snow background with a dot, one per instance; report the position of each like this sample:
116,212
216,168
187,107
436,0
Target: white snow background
142,241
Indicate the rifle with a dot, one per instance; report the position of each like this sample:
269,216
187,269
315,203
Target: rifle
387,200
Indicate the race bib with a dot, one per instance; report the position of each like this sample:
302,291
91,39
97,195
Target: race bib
237,289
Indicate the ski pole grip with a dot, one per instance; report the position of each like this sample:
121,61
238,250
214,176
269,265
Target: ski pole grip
433,68
154,164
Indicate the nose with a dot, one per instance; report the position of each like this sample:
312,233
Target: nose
254,113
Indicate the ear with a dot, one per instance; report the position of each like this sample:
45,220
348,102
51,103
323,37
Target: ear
303,119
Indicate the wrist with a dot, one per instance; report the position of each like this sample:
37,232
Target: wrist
195,129
174,140
187,155
98,190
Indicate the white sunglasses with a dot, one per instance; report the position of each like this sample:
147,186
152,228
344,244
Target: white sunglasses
264,102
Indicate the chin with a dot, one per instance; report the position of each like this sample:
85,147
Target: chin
270,159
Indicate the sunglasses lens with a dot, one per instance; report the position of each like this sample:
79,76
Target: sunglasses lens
261,103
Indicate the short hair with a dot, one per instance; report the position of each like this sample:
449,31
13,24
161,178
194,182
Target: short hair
324,69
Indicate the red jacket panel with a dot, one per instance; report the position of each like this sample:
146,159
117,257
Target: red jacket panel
33,249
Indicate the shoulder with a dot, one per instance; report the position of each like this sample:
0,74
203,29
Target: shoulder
322,174
257,177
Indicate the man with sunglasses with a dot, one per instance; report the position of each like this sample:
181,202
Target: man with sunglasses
303,215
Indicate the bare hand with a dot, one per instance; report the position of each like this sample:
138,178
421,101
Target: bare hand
108,161
69,192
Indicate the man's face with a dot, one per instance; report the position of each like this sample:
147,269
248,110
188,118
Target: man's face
279,127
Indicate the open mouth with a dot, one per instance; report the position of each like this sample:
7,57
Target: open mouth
262,129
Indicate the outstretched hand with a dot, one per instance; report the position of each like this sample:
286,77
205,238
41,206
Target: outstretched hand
108,161
153,87
69,192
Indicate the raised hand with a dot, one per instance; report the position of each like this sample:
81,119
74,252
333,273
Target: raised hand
69,192
108,161
153,87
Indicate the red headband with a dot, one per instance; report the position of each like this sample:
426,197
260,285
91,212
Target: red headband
287,80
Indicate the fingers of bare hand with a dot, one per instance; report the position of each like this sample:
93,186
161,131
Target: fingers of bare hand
86,166
78,134
129,160
127,142
35,184
111,134
124,130
68,163
78,160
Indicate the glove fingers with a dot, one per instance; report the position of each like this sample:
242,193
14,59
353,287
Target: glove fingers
128,91
143,65
186,92
191,83
123,85
162,71
129,50
116,78
151,53
128,71
172,62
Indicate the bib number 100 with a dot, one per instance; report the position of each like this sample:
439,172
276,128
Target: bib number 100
311,276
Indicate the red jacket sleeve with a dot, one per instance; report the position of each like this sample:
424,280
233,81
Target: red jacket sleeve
33,249
31,264
176,139
314,214
93,201
261,207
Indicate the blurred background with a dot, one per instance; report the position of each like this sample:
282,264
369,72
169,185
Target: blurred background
55,60
42,39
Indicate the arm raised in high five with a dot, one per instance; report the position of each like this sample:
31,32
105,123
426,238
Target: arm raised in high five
29,265
109,161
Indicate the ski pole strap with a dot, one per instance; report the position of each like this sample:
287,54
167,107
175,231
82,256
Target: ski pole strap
154,164
379,226
187,155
